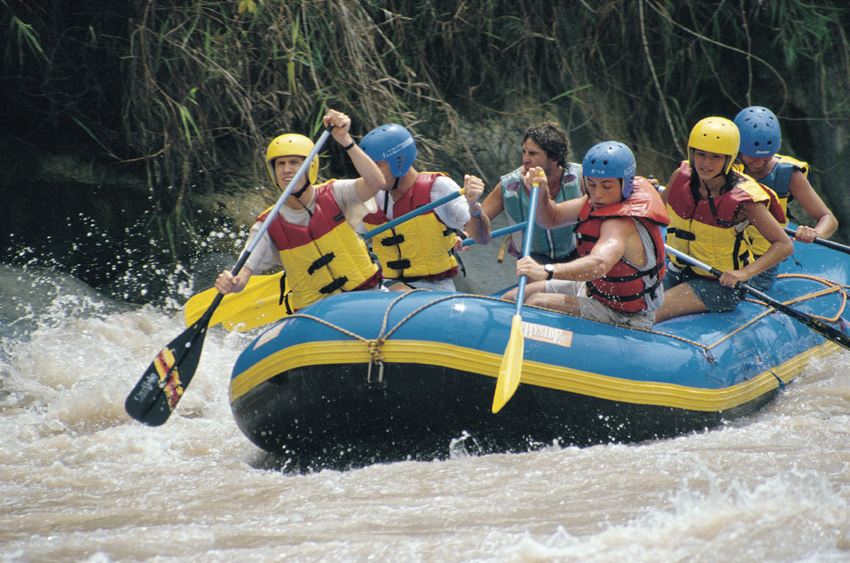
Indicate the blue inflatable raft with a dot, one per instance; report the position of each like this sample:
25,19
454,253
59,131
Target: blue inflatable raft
370,377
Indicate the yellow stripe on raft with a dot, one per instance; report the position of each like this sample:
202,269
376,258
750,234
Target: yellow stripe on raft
533,373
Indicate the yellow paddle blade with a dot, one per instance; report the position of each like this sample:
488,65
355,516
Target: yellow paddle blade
511,368
256,305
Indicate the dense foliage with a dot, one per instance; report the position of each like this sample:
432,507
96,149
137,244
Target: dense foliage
182,90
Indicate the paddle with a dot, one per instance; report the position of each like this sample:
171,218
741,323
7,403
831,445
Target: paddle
256,305
156,394
511,367
822,242
498,233
815,324
415,213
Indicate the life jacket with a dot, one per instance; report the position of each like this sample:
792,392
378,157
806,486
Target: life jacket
707,229
420,248
324,257
627,287
547,245
779,180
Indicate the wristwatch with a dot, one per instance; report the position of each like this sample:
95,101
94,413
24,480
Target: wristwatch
550,270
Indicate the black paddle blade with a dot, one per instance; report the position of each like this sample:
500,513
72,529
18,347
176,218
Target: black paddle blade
813,323
161,387
818,326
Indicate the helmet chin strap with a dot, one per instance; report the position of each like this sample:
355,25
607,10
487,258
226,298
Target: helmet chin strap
298,195
395,185
300,192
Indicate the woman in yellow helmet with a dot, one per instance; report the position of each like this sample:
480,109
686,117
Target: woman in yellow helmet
710,205
314,235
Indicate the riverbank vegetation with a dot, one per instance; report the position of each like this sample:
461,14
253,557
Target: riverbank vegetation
186,94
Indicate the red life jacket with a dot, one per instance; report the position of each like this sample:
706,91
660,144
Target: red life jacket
626,287
324,257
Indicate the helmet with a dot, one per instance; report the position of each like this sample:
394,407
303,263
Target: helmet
717,135
611,159
760,134
391,143
291,144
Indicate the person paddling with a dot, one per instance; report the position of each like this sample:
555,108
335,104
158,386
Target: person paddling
761,139
314,235
710,204
418,253
545,145
617,276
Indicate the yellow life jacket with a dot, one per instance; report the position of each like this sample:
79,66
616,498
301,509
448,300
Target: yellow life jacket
779,180
420,248
325,257
706,229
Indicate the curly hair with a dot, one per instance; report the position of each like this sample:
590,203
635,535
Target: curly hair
552,139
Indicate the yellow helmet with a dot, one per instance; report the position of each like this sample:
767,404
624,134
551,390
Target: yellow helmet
291,144
715,134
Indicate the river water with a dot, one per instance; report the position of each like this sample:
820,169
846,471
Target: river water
81,481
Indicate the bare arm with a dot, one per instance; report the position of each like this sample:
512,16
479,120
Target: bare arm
226,282
371,179
813,205
780,245
610,248
478,226
666,193
551,215
493,204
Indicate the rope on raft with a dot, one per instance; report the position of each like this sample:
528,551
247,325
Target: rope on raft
374,344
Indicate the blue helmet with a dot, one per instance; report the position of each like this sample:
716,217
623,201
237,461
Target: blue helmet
760,134
391,143
611,160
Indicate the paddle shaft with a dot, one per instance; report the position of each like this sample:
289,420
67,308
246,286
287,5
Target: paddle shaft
822,242
815,324
526,243
510,369
498,232
162,385
415,213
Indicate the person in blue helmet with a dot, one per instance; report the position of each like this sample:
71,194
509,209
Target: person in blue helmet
621,258
545,145
418,253
759,155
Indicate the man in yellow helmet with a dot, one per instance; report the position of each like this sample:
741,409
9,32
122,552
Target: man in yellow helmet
314,235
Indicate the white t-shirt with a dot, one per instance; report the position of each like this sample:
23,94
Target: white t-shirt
266,254
455,214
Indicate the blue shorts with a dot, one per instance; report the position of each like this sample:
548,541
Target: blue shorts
765,280
716,298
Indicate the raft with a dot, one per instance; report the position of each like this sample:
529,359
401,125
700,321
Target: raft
368,377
